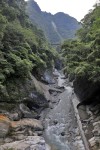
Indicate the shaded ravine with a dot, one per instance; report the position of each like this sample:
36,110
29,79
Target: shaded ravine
60,121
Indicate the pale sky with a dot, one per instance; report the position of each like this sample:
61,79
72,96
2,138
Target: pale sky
75,8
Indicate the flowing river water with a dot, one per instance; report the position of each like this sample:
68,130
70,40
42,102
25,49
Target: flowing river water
60,123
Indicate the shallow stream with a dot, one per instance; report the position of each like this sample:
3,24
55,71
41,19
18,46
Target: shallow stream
60,122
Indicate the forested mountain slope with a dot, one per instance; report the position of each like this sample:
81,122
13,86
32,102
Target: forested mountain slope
82,57
56,27
23,49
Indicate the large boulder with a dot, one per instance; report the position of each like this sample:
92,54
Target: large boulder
18,130
18,91
26,112
29,143
24,123
87,91
4,126
25,127
11,110
36,101
48,77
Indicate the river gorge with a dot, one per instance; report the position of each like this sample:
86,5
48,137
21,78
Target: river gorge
50,121
58,120
61,130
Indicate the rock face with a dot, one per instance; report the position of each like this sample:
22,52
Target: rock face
56,27
24,123
4,126
19,124
48,77
31,93
36,101
26,111
29,143
21,134
87,91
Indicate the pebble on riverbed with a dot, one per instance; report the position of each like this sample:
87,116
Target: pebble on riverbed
63,134
55,122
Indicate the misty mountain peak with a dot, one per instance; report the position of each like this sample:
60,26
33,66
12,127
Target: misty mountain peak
34,5
57,27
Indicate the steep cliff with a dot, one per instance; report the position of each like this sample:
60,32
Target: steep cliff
82,58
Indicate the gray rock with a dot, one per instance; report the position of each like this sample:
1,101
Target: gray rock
62,133
55,122
29,143
27,123
14,116
18,137
25,111
92,142
8,140
39,133
4,126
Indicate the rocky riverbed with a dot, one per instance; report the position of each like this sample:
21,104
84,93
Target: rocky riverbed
20,124
40,128
90,118
61,130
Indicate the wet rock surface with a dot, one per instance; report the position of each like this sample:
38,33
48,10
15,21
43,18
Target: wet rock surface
20,127
29,143
4,126
91,126
21,135
26,126
61,130
20,130
89,92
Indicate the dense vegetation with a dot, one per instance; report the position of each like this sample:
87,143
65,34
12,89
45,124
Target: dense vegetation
82,56
56,27
23,47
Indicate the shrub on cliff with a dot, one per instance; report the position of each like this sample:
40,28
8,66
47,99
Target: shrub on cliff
82,56
23,47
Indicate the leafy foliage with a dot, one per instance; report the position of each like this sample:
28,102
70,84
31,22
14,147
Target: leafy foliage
23,47
82,56
56,27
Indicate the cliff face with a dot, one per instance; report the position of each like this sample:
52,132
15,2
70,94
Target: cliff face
87,91
82,58
56,27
